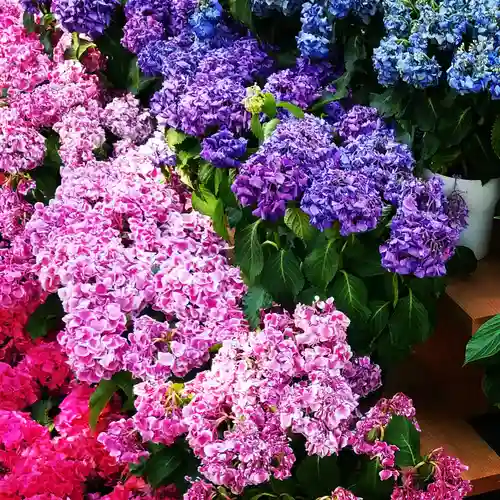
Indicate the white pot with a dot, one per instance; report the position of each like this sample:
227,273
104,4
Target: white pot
481,201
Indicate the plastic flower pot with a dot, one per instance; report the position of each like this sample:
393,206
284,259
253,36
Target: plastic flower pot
481,200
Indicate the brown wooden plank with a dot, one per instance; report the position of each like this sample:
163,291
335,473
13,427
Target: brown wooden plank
478,295
459,439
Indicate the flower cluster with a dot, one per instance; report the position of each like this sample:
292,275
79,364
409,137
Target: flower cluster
413,31
316,385
351,183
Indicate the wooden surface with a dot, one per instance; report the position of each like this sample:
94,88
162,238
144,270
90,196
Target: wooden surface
478,296
459,439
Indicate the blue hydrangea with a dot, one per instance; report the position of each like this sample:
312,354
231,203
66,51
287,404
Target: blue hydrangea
469,70
314,38
205,19
385,60
223,149
397,17
415,66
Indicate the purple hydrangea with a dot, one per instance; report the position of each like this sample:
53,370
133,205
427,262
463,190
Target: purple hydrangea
348,197
223,149
280,171
300,85
316,33
140,31
90,17
424,231
205,19
359,120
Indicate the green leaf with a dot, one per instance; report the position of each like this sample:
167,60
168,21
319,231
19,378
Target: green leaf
308,295
403,434
350,295
462,263
174,137
124,381
369,485
354,51
256,127
388,103
430,145
270,127
318,476
380,315
29,22
255,299
83,46
364,259
269,106
162,465
454,127
425,113
282,276
220,177
296,220
46,318
204,201
495,137
321,265
443,160
219,220
409,322
485,342
40,412
294,110
241,11
248,251
99,399
491,384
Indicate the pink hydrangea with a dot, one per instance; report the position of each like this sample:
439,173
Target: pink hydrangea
126,119
122,442
22,147
366,437
47,366
17,389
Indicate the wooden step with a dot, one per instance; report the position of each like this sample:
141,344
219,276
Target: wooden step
459,439
477,297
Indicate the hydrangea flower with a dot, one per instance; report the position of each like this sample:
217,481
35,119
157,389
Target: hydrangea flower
223,149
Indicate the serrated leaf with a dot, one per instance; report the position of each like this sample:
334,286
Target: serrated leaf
455,126
248,251
40,412
485,343
318,476
298,221
368,484
495,137
430,145
282,275
219,178
388,103
255,299
410,321
425,113
269,106
174,137
321,265
205,172
294,110
380,315
162,465
242,12
29,22
256,127
354,51
270,127
47,317
99,399
204,201
125,382
83,46
403,434
350,295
